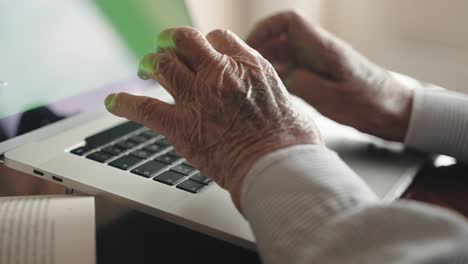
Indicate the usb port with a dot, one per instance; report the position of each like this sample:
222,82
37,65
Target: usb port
55,178
40,173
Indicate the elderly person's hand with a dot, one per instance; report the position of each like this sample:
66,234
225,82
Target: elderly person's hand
231,108
333,77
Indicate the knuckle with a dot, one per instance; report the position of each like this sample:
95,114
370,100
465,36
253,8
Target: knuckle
183,34
218,33
291,14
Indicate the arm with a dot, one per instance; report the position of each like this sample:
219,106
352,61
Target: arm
306,206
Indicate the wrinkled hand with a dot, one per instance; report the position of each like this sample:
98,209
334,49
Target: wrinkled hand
231,108
333,77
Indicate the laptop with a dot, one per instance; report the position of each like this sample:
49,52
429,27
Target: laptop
58,61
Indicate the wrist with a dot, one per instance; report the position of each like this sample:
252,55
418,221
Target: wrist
390,113
250,154
398,106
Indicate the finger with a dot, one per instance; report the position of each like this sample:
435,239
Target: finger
228,43
313,47
174,75
276,49
278,52
171,73
190,45
269,28
150,112
309,86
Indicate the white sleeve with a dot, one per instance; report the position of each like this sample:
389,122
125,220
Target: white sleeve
439,123
305,205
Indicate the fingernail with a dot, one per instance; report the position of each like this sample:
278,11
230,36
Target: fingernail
165,41
111,101
146,68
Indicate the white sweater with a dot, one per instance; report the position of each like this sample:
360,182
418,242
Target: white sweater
305,205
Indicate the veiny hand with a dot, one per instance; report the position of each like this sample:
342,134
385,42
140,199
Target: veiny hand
231,108
334,78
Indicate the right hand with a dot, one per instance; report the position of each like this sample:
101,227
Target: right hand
231,107
333,77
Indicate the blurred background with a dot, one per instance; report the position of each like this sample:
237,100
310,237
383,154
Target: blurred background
426,39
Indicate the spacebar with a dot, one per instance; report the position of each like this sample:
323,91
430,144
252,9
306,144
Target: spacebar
111,134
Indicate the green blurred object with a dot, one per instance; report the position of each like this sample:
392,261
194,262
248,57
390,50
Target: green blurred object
139,22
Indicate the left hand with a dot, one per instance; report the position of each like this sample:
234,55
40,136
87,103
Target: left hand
333,77
231,108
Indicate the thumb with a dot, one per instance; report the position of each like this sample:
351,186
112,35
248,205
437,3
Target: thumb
150,112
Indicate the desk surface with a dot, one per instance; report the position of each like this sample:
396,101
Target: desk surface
138,238
445,186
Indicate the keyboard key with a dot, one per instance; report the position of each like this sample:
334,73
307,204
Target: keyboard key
201,179
149,134
149,168
183,169
169,177
168,158
125,162
154,148
126,144
113,150
174,153
188,163
81,150
138,139
191,186
100,156
112,134
141,153
163,142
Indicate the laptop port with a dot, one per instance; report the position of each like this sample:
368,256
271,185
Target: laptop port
55,178
40,173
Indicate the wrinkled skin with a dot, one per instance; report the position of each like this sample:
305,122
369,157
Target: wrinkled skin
231,108
332,77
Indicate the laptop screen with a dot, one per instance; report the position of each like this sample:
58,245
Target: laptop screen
56,56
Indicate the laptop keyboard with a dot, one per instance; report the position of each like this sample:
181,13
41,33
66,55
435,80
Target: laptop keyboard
145,153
